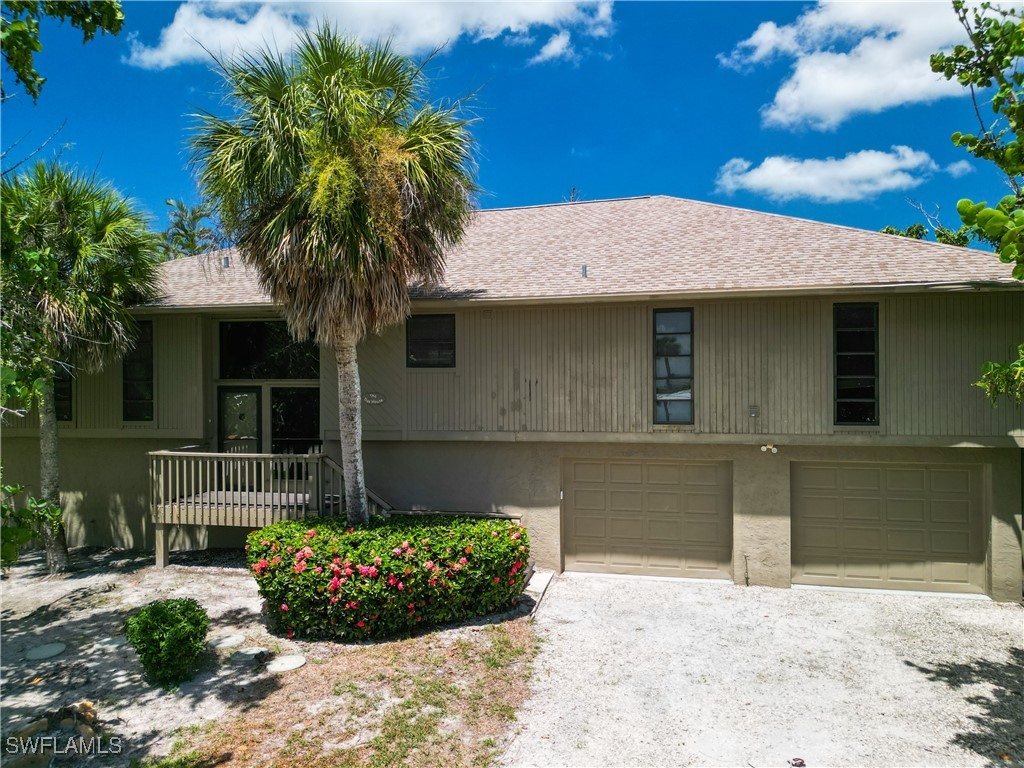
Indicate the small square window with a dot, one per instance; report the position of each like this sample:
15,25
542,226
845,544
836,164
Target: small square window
430,341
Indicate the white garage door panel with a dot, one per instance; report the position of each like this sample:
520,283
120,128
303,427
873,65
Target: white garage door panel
914,526
656,517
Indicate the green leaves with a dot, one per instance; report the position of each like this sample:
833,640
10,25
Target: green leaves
170,637
19,524
339,183
19,31
321,578
76,255
993,61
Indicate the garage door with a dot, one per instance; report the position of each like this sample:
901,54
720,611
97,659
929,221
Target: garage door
912,526
666,518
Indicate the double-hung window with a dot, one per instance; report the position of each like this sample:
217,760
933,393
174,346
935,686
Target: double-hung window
673,366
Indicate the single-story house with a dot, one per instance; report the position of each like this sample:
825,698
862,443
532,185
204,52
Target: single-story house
654,385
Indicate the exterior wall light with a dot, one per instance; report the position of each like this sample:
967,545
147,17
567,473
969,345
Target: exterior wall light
769,447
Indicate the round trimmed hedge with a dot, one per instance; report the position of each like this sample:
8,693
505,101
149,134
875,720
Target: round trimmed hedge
324,579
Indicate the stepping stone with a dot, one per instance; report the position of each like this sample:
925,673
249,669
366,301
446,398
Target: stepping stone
286,663
47,651
223,642
248,654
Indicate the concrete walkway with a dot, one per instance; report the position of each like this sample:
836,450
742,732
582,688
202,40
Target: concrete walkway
652,672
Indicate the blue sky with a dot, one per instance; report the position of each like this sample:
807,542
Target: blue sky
827,112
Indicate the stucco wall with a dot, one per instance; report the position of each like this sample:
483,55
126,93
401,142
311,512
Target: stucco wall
524,478
105,492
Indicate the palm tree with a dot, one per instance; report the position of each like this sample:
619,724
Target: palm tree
79,254
189,232
340,185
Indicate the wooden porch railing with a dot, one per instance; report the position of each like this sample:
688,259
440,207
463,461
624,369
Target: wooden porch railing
246,490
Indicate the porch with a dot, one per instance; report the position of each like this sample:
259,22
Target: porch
243,490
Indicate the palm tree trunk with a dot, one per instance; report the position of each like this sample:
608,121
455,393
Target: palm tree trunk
350,423
54,540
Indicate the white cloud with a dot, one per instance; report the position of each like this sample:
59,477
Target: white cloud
959,168
414,27
558,47
857,176
851,58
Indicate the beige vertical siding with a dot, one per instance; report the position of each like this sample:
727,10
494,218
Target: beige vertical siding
932,348
565,369
179,372
585,369
381,372
774,355
178,375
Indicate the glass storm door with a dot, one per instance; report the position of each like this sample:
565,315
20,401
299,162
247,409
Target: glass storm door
294,419
240,425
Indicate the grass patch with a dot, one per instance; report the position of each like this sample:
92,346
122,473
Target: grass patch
446,698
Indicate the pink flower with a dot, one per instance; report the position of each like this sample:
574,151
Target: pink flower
494,533
463,561
397,552
350,530
405,545
300,566
284,606
497,579
511,581
303,553
291,633
260,567
318,569
517,535
392,580
401,586
334,585
311,534
360,624
429,565
376,561
265,543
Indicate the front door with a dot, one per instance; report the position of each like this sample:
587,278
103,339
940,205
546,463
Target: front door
289,415
240,420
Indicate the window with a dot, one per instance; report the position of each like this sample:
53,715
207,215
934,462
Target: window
856,363
673,366
137,377
430,341
62,392
265,350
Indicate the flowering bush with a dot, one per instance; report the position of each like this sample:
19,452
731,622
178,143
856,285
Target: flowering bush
322,578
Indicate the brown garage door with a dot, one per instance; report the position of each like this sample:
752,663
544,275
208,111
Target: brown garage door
909,526
666,518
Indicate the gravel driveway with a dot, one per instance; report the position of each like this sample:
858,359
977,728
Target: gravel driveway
638,671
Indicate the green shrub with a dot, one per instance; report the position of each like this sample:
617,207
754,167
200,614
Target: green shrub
169,636
323,579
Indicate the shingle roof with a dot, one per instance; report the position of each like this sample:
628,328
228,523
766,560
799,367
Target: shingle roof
641,246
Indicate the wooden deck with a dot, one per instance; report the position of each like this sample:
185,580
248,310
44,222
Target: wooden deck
239,490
